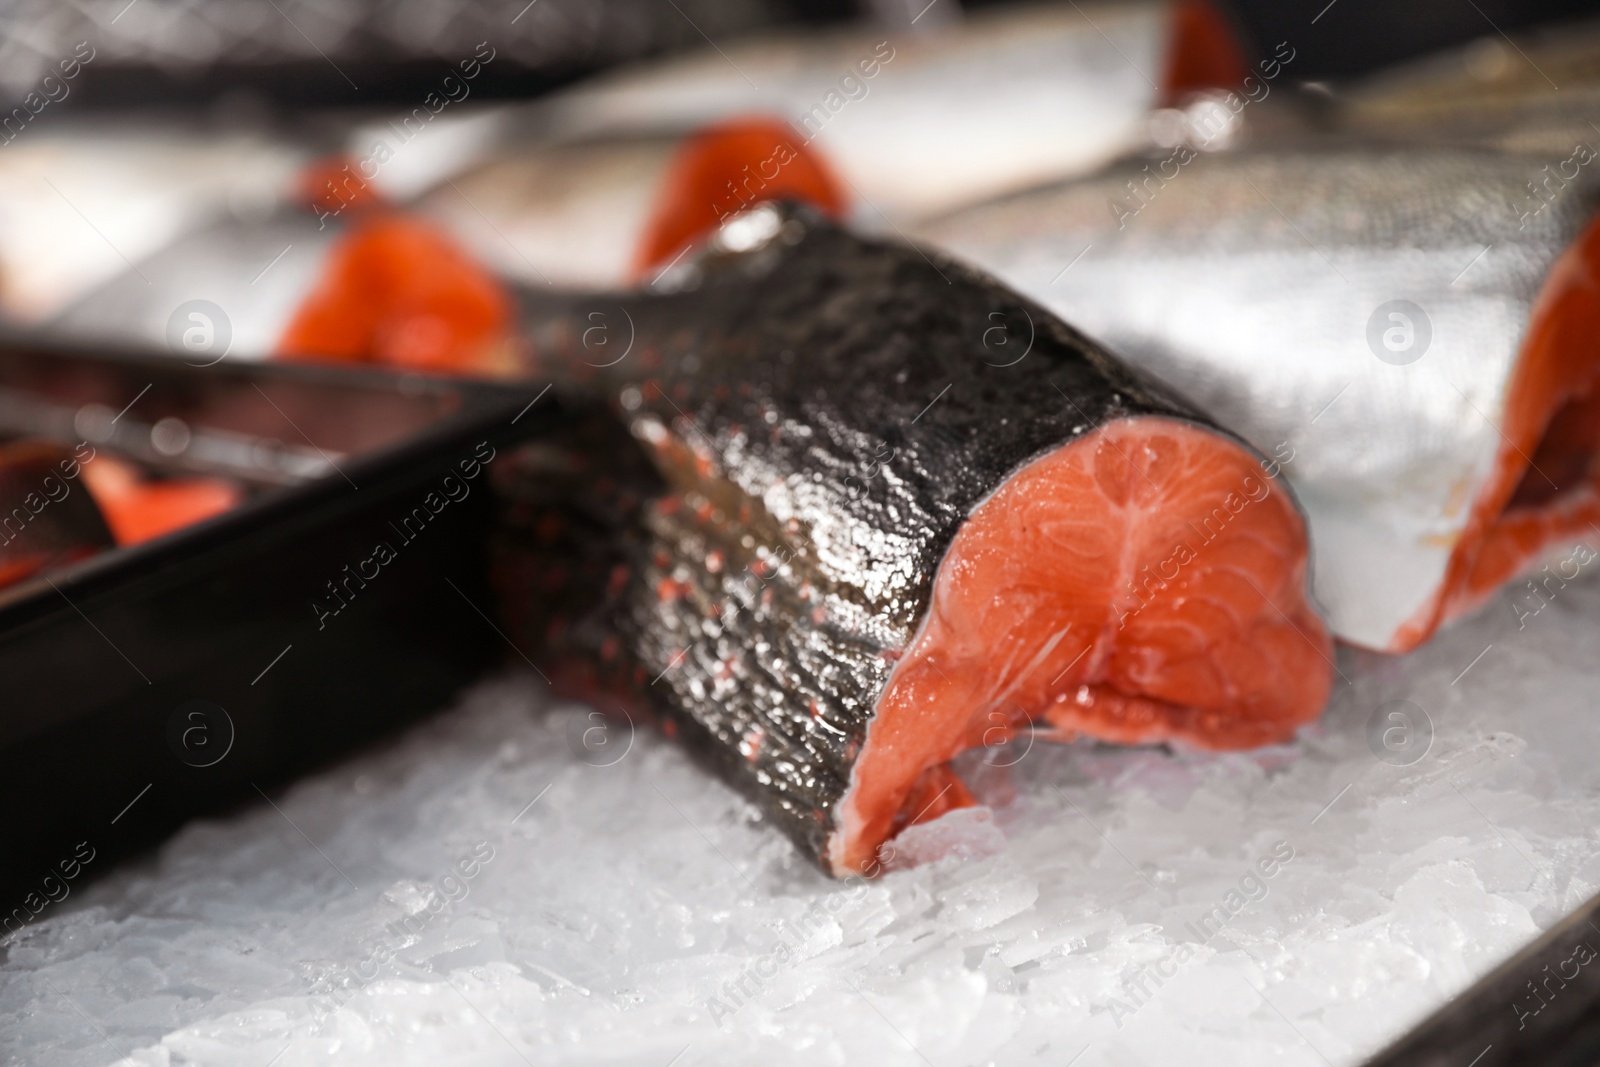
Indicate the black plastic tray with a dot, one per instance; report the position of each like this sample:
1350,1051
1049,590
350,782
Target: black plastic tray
153,683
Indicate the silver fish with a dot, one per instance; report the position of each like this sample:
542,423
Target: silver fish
569,215
244,279
365,284
911,123
1360,313
81,201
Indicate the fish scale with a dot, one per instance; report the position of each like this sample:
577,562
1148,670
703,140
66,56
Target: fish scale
821,415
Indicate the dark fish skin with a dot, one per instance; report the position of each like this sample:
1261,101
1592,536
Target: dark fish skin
820,415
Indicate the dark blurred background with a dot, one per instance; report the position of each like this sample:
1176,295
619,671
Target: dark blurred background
356,53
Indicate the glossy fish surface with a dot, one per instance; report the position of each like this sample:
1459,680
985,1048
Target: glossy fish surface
612,212
366,284
82,202
912,122
891,512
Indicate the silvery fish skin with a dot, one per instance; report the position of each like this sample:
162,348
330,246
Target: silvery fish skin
1260,285
568,215
256,273
1539,93
915,123
81,202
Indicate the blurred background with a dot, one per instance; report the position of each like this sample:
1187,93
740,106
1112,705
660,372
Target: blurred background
291,53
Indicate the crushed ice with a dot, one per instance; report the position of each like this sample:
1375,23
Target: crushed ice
484,894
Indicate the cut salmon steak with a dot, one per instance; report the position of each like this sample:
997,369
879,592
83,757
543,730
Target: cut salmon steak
869,536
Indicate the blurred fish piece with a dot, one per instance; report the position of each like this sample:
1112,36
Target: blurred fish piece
872,538
561,190
47,519
60,505
82,202
350,277
367,283
1408,332
1006,98
604,186
140,508
613,212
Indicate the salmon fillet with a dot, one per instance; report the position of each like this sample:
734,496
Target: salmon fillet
1125,587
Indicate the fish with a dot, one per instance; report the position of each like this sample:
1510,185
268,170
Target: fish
1005,97
605,213
861,509
343,272
82,201
876,127
281,288
1404,329
594,189
61,505
138,507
